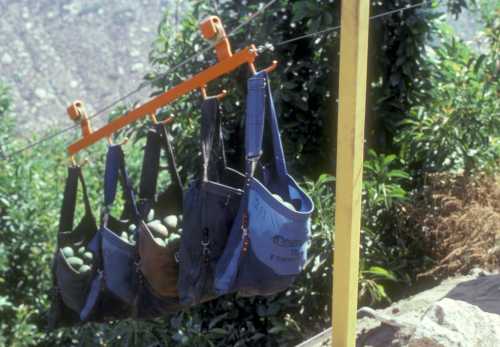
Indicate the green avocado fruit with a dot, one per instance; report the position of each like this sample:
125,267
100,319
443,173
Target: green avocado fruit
160,242
88,256
68,252
158,229
151,215
75,262
132,228
171,221
84,268
172,238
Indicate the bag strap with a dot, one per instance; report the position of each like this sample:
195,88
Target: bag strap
169,154
158,138
115,170
66,220
150,166
212,140
260,106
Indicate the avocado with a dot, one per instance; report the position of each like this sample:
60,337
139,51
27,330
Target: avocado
75,262
171,221
124,235
160,242
158,229
172,238
88,256
81,250
68,252
132,227
151,215
84,268
289,205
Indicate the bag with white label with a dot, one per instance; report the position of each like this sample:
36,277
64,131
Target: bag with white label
267,245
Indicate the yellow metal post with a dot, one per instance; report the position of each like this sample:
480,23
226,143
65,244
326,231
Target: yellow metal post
350,139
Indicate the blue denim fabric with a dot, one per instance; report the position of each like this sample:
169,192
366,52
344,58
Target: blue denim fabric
113,290
267,246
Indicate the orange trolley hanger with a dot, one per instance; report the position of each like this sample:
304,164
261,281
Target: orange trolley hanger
212,30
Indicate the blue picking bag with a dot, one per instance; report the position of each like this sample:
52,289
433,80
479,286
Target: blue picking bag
113,289
210,205
267,246
69,286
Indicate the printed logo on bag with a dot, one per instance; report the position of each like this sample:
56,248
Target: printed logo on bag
281,241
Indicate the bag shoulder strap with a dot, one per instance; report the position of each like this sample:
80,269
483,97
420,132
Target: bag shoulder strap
150,165
158,138
212,140
115,171
260,106
66,220
169,153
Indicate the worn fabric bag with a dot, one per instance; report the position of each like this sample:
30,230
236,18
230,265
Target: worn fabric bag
210,206
268,244
157,293
114,287
70,287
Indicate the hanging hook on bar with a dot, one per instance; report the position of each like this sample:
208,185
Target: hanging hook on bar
272,67
219,96
268,69
166,121
74,163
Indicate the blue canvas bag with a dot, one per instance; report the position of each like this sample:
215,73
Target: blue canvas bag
70,286
113,289
267,247
210,206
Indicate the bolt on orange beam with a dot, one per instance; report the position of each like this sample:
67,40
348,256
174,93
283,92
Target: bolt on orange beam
245,56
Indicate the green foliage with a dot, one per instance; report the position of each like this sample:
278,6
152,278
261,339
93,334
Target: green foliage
457,127
303,86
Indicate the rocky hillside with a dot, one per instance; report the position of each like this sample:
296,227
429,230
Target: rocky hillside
55,51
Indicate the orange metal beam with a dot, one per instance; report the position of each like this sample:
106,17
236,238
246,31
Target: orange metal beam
245,56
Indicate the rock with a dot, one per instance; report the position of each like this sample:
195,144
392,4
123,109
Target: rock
138,67
456,323
7,59
460,312
41,93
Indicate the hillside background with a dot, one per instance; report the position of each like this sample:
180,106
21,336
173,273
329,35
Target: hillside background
55,51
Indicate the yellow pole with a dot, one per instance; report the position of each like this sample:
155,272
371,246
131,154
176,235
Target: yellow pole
350,138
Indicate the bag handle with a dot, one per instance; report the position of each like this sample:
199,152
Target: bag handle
115,170
212,140
259,105
157,138
66,219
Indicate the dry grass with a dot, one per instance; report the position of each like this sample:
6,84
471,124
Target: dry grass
460,221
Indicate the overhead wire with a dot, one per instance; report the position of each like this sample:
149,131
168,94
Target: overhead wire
261,48
337,27
140,87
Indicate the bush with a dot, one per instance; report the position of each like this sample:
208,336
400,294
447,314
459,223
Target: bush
459,127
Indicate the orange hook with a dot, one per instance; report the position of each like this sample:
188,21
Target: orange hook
219,96
166,121
268,69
